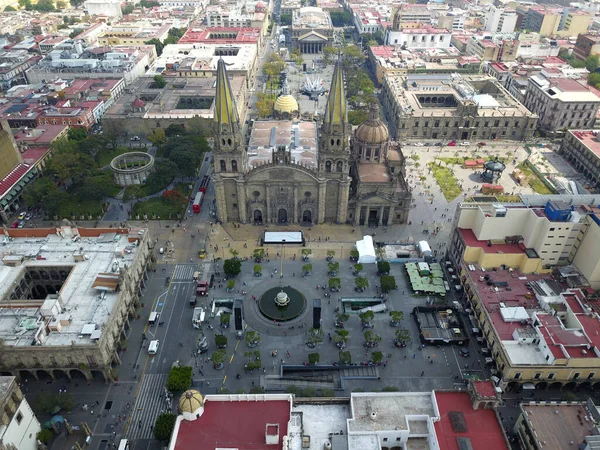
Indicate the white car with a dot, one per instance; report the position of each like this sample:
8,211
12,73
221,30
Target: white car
135,138
161,250
465,143
418,144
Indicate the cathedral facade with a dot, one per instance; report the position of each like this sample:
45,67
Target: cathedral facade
355,178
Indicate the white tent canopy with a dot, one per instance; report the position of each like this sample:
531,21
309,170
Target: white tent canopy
366,250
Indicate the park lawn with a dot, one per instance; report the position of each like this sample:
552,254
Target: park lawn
158,207
77,206
533,180
114,190
106,156
446,181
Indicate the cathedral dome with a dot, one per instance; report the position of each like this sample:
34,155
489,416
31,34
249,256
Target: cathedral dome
372,130
286,104
191,404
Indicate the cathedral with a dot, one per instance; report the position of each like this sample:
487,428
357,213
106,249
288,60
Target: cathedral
350,177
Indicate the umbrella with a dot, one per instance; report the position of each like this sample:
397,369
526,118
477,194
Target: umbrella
57,419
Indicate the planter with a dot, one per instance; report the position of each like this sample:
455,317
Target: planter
218,366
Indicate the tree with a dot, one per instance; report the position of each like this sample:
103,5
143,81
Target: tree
36,191
53,201
225,318
159,81
163,427
388,283
307,269
286,19
335,284
258,269
366,318
376,357
333,268
232,267
44,435
218,358
396,317
402,334
220,340
345,357
95,187
158,137
594,79
371,339
306,252
265,104
592,62
234,253
329,53
258,254
358,268
49,401
315,336
187,161
44,6
341,18
175,197
175,129
161,177
252,339
180,379
10,9
354,255
383,267
361,283
341,338
26,4
356,117
313,358
230,284
71,166
352,57
330,255
342,317
159,46
60,5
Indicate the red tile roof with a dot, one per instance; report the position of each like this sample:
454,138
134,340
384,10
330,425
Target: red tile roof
234,424
485,388
9,180
483,428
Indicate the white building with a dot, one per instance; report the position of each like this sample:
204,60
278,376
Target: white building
18,424
368,21
498,20
420,38
111,8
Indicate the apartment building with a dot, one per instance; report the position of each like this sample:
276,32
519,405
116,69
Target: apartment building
543,19
561,103
582,149
369,21
499,20
134,33
574,22
528,274
109,8
411,13
419,37
586,45
19,425
68,311
452,106
450,20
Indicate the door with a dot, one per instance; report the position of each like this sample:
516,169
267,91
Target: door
307,216
258,216
282,216
465,135
373,219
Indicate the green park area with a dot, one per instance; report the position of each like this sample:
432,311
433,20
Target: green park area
170,205
533,180
446,181
78,180
426,278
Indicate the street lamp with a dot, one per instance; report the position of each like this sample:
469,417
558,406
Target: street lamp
158,221
282,256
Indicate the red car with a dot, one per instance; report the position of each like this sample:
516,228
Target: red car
15,224
452,144
482,144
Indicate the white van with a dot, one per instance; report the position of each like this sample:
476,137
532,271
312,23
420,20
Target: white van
153,317
124,444
153,348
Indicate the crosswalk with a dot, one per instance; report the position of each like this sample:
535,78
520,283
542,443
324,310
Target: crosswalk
185,272
148,406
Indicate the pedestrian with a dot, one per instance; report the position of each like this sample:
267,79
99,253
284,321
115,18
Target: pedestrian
414,355
288,354
423,373
151,427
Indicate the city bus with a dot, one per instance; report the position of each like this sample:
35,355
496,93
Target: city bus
198,202
204,184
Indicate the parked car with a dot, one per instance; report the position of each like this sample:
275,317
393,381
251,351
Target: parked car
27,216
465,143
21,224
15,224
482,144
452,144
464,352
418,144
135,138
438,144
22,215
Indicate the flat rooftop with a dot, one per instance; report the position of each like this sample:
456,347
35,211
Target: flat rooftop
82,254
589,139
556,426
235,422
460,422
300,138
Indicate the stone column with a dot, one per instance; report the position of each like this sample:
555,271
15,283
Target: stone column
221,202
380,216
343,193
321,211
241,194
268,203
295,213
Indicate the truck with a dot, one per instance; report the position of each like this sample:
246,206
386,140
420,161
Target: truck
198,317
202,288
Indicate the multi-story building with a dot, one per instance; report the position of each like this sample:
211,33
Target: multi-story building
543,19
90,34
72,61
200,60
67,311
419,37
582,149
289,6
368,21
561,103
526,273
411,13
110,8
222,36
574,22
13,65
312,30
75,117
500,20
18,424
134,34
586,45
194,5
48,44
454,107
450,20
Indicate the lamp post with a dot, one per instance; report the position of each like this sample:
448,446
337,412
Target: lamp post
281,262
158,221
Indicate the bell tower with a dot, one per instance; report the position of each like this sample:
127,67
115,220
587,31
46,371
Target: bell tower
229,154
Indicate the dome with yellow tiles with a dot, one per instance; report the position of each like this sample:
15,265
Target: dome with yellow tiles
286,104
372,130
191,404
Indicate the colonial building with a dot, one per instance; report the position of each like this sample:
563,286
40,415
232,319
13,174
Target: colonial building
286,179
311,30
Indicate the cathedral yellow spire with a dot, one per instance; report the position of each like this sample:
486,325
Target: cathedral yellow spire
336,111
226,116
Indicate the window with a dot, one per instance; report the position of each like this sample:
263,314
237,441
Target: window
256,194
223,166
19,417
234,205
234,166
340,166
576,376
384,439
517,376
537,375
591,376
551,376
328,166
307,194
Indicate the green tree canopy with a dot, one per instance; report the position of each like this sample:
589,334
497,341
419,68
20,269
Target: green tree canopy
592,62
341,18
180,379
232,267
285,19
95,187
356,117
9,9
163,427
157,44
159,82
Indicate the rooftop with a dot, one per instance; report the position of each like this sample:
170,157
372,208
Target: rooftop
311,17
374,173
460,422
558,425
83,259
565,89
13,177
298,137
221,35
42,135
589,139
